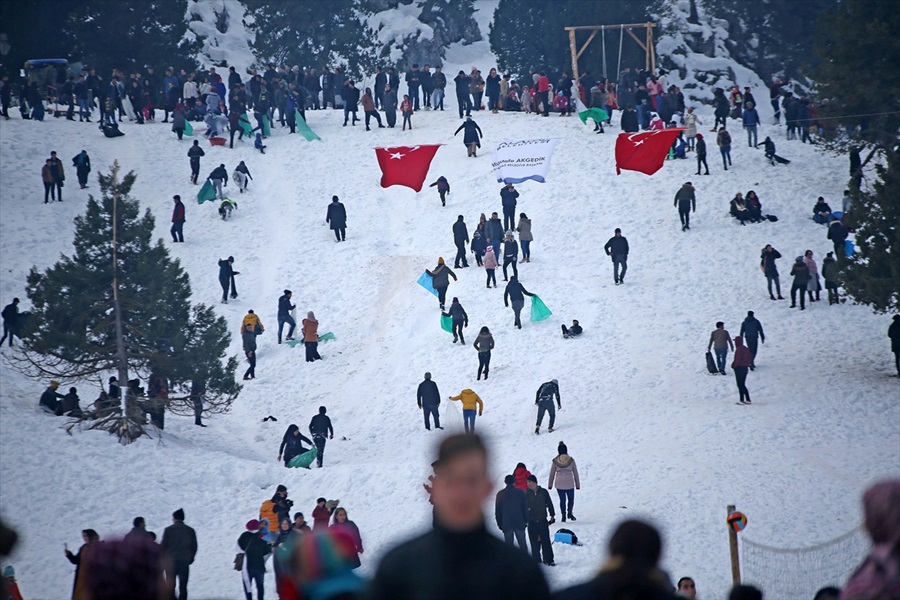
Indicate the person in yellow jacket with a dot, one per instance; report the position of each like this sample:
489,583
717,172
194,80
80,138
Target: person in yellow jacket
251,318
469,401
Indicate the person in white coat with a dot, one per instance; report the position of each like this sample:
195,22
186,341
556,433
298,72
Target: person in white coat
691,121
564,473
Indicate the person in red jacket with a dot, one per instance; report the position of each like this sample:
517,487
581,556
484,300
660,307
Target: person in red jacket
741,365
521,474
177,219
544,93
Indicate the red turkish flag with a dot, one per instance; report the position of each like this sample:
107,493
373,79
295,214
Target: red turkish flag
405,165
645,151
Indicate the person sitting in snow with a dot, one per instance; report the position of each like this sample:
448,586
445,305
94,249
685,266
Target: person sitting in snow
258,144
574,331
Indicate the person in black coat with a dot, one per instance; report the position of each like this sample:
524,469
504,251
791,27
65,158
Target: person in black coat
630,122
413,81
337,217
631,572
321,430
767,261
686,201
82,164
463,101
701,154
350,94
837,233
50,399
894,335
179,544
617,248
284,315
255,551
510,256
472,136
508,199
226,278
460,238
511,513
752,332
428,398
516,293
460,319
10,316
539,503
292,444
194,153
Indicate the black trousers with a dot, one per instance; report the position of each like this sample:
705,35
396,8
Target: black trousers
442,295
701,160
176,231
319,441
484,363
49,191
431,411
458,331
251,370
180,569
312,351
685,216
460,254
7,331
740,376
491,276
798,288
340,233
225,283
370,114
195,170
539,536
464,104
509,219
506,263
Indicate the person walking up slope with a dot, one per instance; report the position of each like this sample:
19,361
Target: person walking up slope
767,263
460,238
177,220
337,217
743,359
617,248
471,137
284,315
321,431
194,153
564,474
179,543
752,332
470,401
516,293
484,343
428,398
311,337
543,399
720,341
686,201
490,266
443,188
440,280
248,340
460,319
701,154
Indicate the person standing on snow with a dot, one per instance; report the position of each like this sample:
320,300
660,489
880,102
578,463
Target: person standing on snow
440,280
894,336
686,201
248,339
720,340
617,248
508,197
255,551
750,120
463,100
479,246
752,332
543,399
337,217
311,337
539,503
194,153
564,474
743,359
471,137
767,262
82,164
10,316
800,273
460,319
292,444
389,105
368,104
460,238
510,255
490,266
723,141
177,220
179,543
321,430
226,278
428,398
484,343
701,154
284,315
525,236
511,513
470,401
516,293
493,229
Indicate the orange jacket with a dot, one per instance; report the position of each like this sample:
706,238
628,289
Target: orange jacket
251,319
469,400
310,330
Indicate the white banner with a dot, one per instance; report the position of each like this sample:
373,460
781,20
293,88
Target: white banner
516,161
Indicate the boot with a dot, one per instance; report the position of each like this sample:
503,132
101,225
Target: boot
571,516
563,517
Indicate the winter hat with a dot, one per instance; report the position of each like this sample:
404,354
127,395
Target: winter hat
230,259
178,515
281,488
54,384
699,136
554,381
531,478
455,299
562,448
252,525
9,571
311,316
440,260
489,249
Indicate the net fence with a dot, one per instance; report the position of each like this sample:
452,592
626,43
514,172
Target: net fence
797,573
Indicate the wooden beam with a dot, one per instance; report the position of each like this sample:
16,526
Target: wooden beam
607,27
640,43
583,48
573,50
652,50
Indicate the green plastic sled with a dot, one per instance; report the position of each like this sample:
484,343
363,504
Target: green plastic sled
539,310
303,461
304,129
266,130
447,323
245,124
207,192
325,337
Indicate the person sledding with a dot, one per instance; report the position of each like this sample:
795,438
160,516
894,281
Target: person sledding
292,444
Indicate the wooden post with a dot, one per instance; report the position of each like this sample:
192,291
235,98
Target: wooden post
650,49
574,49
733,545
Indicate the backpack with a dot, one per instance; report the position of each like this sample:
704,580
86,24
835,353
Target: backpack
566,536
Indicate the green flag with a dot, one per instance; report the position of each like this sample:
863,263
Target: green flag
188,128
244,122
266,130
207,192
584,113
539,310
303,128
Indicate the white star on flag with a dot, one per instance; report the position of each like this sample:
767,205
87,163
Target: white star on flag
396,155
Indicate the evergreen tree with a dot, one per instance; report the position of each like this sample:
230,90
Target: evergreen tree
129,34
312,34
72,333
872,275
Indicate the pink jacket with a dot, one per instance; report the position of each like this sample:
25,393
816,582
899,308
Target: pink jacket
490,261
813,269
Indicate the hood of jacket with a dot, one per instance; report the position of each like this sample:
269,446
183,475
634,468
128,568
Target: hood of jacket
563,461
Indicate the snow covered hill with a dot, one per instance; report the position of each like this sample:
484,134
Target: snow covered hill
654,435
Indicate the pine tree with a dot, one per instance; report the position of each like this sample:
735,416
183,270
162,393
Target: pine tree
83,303
872,275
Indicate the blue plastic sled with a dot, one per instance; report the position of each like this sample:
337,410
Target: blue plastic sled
427,282
849,248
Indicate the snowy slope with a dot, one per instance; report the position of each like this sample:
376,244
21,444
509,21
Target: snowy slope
653,434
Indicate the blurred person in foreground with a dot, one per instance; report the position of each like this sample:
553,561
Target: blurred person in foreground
459,558
878,578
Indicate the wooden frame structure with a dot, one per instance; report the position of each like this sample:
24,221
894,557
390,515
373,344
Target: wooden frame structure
646,45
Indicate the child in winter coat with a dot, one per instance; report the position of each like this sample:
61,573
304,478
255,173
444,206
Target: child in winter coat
490,266
521,474
258,144
479,246
406,109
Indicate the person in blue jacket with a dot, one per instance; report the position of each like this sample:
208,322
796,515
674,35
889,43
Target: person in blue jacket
750,119
284,315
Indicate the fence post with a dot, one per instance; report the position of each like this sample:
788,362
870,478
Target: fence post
733,545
